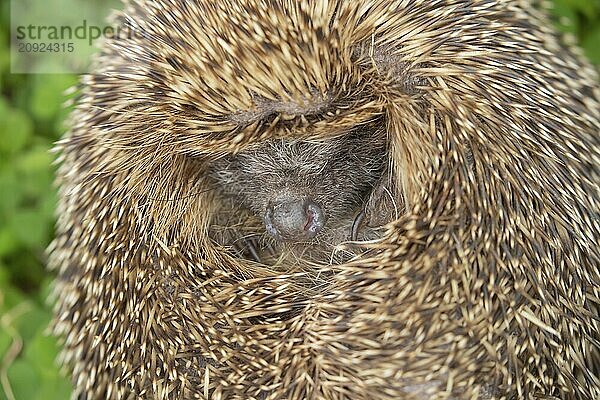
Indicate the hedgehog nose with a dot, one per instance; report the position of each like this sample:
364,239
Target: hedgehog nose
294,219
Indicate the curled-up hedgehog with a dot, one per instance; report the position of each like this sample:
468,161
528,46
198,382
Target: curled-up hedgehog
331,200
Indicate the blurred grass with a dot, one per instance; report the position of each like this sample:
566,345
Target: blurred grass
31,119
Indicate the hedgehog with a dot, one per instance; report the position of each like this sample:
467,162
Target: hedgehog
471,119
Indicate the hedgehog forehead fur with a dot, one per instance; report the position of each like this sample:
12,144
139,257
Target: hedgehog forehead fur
335,173
485,286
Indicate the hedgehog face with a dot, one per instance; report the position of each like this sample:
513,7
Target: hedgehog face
299,187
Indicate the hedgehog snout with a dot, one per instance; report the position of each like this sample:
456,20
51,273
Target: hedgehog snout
293,219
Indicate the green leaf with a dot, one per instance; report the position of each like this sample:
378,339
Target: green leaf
33,323
48,205
11,298
8,243
55,388
42,352
589,8
36,175
36,160
11,193
24,380
567,21
4,280
591,45
45,290
15,129
4,55
30,228
47,95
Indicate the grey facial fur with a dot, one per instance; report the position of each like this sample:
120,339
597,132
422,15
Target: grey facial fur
335,175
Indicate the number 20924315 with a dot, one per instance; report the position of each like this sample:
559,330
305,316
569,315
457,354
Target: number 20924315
25,47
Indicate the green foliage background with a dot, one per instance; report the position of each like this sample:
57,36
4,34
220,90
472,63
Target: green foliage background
31,119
